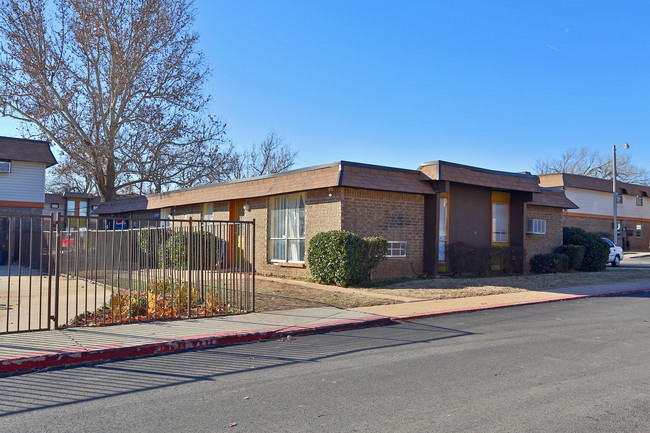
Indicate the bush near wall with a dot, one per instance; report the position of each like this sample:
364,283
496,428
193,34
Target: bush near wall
549,263
463,258
205,251
575,253
343,258
596,249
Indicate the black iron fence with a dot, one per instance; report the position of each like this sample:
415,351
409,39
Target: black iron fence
83,271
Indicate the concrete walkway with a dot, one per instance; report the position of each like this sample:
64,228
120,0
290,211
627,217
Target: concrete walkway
41,350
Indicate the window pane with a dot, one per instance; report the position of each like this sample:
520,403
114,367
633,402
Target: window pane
442,230
70,207
296,250
500,222
83,208
301,219
278,250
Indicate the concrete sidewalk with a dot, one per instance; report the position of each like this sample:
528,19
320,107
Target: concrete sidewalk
41,350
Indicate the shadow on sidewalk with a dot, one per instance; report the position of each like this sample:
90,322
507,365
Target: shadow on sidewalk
50,389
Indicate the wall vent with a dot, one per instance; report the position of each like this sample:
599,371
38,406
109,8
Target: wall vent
536,227
5,166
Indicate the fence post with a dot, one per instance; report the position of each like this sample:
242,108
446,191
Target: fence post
57,271
253,270
189,270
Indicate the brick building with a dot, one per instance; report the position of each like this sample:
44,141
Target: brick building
595,200
419,211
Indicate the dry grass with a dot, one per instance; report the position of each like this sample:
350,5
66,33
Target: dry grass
282,296
270,296
447,288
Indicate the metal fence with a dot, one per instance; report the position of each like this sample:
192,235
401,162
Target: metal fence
81,271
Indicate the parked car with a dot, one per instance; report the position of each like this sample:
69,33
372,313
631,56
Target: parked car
615,253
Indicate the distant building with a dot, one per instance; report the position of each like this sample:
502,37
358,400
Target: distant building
22,175
71,204
595,200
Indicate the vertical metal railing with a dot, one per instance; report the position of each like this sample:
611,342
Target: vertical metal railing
86,271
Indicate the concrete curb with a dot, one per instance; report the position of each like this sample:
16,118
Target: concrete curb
29,362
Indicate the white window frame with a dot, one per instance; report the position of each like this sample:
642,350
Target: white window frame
396,249
639,200
285,238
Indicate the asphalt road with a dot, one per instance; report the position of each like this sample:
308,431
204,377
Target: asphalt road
636,263
575,366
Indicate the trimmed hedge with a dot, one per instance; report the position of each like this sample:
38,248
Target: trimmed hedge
463,258
343,258
596,249
549,263
575,253
205,250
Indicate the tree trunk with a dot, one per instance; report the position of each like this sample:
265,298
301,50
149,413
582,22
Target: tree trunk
108,191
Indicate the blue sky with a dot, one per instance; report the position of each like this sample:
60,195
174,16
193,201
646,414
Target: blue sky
496,84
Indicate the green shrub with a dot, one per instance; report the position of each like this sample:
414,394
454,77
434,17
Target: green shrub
575,253
149,240
377,247
343,258
596,249
204,252
549,263
560,262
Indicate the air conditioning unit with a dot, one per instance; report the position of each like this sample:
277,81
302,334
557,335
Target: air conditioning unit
536,227
5,166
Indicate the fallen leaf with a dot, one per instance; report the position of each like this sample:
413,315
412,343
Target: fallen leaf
246,398
232,424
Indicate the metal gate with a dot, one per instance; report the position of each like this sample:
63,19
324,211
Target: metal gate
63,271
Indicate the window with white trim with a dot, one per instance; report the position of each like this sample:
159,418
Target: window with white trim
639,200
396,249
287,231
500,222
639,229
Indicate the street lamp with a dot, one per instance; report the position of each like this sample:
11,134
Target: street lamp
614,147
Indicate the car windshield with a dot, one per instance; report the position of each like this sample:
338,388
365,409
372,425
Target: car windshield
611,244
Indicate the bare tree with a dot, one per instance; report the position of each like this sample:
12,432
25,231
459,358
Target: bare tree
591,163
67,175
271,156
117,85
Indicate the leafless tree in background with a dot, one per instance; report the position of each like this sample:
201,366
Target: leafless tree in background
117,85
591,163
271,156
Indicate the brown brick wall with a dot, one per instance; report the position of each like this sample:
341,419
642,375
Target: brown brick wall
543,244
322,213
395,216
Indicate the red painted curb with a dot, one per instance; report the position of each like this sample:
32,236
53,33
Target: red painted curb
93,354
